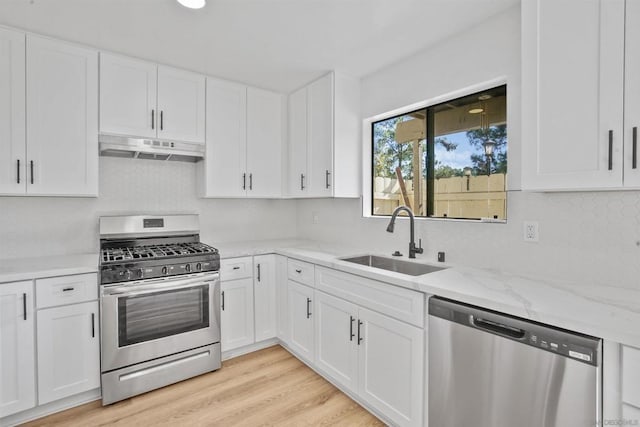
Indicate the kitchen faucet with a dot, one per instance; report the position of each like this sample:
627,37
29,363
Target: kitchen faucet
412,244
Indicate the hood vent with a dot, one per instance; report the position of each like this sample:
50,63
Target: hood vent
155,149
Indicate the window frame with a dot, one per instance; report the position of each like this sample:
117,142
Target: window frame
367,146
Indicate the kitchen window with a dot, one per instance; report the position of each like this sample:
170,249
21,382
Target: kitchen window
447,160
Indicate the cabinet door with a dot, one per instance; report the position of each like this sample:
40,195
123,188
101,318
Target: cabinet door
264,143
320,136
572,83
181,101
301,318
391,367
12,112
17,353
297,168
68,351
281,298
236,316
226,142
62,118
336,339
632,95
128,89
264,288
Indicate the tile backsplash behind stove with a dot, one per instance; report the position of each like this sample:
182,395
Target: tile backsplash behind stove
40,226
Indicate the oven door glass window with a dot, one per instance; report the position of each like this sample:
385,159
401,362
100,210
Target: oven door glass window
160,314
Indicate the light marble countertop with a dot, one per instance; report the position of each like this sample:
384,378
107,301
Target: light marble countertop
608,312
13,270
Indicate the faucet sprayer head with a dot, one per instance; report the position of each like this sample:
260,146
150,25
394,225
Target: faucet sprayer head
392,224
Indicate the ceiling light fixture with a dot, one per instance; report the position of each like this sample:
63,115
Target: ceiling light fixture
193,4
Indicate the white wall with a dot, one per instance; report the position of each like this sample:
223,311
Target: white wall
33,226
590,237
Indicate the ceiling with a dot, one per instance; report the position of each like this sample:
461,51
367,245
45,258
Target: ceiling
274,44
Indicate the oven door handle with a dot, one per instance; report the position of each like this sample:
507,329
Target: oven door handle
132,290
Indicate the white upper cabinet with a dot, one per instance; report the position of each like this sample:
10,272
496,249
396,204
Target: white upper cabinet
632,94
264,143
224,166
181,103
324,138
297,142
62,118
142,99
572,90
243,143
12,112
128,96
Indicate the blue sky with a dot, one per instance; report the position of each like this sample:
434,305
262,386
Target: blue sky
461,156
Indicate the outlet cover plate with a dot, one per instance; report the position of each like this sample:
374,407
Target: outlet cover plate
530,231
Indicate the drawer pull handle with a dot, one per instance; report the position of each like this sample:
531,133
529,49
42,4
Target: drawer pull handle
298,271
67,289
236,268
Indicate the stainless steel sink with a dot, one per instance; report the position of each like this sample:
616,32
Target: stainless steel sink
391,264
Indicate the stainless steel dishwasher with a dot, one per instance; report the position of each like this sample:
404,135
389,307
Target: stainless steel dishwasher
488,369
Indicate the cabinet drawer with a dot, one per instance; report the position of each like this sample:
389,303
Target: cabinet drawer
400,303
300,271
236,268
631,375
66,290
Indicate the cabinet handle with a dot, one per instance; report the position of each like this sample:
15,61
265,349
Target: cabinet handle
222,300
153,119
161,120
301,181
18,171
258,272
244,181
24,305
93,325
351,334
326,177
298,271
67,289
634,148
250,181
610,149
31,164
308,308
360,339
236,268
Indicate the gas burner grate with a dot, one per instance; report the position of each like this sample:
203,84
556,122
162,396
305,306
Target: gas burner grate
135,253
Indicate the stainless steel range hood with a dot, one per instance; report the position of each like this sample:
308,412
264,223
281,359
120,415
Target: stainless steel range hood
156,149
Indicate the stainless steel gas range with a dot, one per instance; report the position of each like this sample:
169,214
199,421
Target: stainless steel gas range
160,299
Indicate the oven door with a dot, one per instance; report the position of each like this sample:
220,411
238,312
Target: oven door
148,319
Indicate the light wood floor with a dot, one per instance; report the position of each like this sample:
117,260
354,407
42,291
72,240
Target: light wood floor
267,387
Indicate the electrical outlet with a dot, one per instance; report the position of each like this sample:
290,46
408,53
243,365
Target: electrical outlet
530,231
316,217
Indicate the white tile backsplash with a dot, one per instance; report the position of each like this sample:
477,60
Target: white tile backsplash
34,226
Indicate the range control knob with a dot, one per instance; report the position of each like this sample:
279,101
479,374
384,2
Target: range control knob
164,270
187,268
198,266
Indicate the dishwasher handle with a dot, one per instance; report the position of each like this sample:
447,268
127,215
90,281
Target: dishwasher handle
497,328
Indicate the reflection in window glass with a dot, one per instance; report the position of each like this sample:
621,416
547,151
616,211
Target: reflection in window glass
447,160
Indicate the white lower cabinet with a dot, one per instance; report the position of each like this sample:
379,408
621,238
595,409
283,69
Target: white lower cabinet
336,339
391,367
68,351
300,319
17,352
264,290
236,316
378,358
